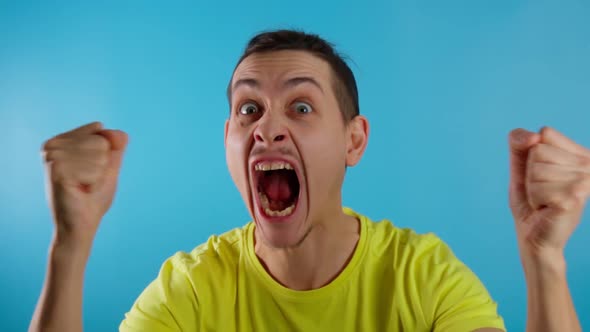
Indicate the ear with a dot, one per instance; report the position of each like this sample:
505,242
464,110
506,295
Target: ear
225,133
357,138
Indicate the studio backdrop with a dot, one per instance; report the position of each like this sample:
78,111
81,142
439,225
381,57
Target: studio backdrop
441,82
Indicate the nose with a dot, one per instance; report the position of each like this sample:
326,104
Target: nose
270,129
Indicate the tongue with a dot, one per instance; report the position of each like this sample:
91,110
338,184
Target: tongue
276,187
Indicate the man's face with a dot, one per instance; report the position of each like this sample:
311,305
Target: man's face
286,143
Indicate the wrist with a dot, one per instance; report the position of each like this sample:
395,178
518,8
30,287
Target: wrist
545,263
70,249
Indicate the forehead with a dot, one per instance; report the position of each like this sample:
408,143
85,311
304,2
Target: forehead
276,66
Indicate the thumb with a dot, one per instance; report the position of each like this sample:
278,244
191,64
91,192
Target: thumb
118,140
520,142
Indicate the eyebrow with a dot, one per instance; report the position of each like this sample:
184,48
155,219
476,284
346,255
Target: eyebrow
290,83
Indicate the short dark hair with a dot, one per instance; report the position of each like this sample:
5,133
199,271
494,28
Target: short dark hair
344,84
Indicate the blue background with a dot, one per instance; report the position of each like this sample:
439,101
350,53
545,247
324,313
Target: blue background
442,83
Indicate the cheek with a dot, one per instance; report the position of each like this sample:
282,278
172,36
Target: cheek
236,155
326,156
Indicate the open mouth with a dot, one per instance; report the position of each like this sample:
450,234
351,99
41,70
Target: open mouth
278,188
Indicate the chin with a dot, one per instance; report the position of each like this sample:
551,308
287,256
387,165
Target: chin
281,236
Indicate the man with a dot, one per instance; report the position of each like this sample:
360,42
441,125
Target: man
305,263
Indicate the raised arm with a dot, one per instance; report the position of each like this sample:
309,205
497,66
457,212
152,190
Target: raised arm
82,168
549,186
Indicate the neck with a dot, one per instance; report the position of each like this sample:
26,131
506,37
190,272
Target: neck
316,261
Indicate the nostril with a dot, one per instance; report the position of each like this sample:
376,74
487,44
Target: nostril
279,138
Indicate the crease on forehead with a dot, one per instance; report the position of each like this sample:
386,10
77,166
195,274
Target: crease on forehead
283,65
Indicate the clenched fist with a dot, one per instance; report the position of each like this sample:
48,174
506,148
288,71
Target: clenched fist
549,187
82,168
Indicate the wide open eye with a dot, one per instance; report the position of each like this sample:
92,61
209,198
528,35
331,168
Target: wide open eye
302,108
249,108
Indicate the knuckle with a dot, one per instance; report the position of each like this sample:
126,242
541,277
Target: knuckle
546,130
51,143
50,155
100,143
577,192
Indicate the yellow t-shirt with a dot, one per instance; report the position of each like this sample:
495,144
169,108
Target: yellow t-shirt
396,280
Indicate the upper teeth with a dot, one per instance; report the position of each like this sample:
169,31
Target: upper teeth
272,165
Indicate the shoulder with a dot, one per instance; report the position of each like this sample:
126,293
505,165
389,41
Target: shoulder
424,257
186,284
406,250
218,253
388,240
425,269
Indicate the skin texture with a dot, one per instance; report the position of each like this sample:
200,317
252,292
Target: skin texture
549,187
82,170
83,167
313,246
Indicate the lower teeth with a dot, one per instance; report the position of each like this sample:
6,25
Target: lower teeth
266,206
